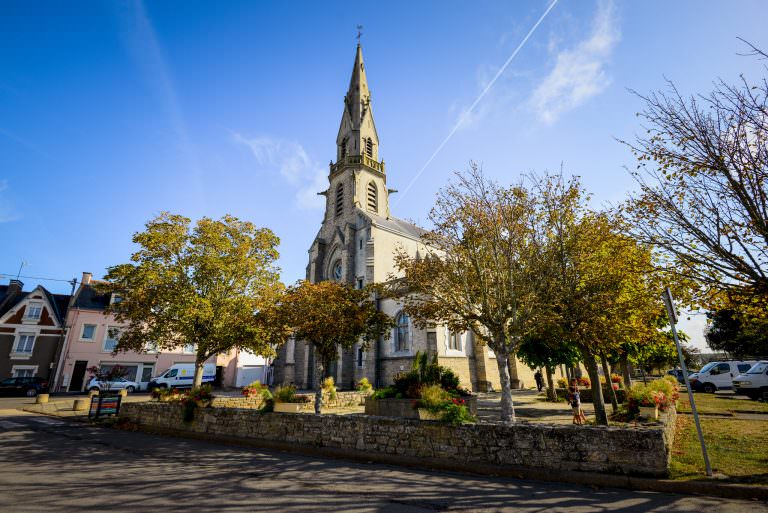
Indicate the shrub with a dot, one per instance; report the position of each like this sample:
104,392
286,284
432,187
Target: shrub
451,409
194,398
385,393
667,388
659,392
287,394
584,382
562,383
329,387
409,384
254,389
363,385
615,378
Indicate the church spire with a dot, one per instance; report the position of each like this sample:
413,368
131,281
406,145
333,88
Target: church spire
357,133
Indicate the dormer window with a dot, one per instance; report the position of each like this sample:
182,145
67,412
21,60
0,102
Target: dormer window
373,194
339,199
34,311
369,147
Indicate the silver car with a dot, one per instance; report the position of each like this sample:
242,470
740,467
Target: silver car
116,384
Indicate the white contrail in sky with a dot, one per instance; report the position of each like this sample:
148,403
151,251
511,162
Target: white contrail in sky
477,100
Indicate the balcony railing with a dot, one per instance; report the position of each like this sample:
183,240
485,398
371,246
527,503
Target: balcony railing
356,160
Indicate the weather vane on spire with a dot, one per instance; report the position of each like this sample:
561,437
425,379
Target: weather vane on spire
359,33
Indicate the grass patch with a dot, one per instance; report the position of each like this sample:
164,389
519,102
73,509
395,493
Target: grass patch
737,448
720,403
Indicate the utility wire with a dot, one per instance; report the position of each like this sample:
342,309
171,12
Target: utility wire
3,275
477,100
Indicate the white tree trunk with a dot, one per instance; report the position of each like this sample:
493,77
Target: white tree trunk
507,405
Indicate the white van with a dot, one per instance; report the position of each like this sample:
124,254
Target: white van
754,382
716,376
181,375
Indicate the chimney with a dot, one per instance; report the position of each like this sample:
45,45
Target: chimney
86,280
14,287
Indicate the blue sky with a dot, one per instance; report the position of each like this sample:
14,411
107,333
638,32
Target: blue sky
111,112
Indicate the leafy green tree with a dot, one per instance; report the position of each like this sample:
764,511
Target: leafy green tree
206,286
331,316
737,335
546,350
479,269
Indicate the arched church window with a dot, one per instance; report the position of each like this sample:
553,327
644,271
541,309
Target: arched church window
373,194
402,332
337,270
339,199
369,147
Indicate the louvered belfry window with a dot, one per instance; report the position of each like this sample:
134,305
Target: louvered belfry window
369,147
372,197
339,199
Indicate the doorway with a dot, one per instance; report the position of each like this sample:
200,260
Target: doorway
78,376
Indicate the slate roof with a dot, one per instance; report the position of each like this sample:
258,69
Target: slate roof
396,225
88,298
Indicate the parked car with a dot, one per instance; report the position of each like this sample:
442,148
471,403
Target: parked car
116,384
754,382
181,375
28,386
716,376
678,374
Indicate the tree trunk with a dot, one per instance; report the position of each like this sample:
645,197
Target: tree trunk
567,376
601,418
625,372
609,384
198,381
551,395
507,406
319,392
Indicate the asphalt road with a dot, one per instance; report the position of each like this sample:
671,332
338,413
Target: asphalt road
53,465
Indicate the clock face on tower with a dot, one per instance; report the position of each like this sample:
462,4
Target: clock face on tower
337,271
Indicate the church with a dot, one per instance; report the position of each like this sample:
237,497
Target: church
355,245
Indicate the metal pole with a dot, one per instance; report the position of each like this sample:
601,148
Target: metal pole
672,322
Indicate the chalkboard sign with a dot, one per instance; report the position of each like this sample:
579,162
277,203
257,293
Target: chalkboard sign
104,405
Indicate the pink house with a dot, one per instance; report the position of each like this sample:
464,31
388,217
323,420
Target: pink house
90,341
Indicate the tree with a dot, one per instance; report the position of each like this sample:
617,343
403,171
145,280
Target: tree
331,316
479,269
547,350
600,291
207,286
703,199
736,335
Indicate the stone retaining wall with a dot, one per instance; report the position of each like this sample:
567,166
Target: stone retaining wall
641,450
343,400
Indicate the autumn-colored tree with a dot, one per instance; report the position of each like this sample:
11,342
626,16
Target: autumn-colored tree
332,316
703,199
599,285
206,286
479,270
547,350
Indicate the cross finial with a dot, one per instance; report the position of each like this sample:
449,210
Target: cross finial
359,33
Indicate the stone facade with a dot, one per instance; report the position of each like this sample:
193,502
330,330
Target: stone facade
356,245
644,450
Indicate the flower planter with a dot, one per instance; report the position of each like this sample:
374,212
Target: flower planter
649,412
404,407
123,393
425,414
289,407
42,398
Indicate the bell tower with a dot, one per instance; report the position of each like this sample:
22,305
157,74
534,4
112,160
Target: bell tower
357,178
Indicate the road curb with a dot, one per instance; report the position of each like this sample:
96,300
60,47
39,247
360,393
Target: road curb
707,488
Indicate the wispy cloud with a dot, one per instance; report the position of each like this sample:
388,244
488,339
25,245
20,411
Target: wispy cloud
7,211
292,162
143,45
579,72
